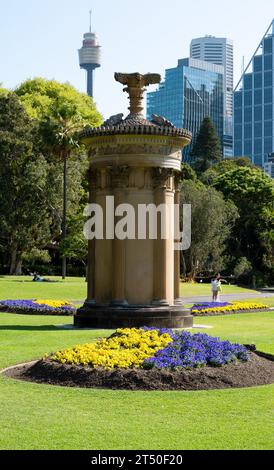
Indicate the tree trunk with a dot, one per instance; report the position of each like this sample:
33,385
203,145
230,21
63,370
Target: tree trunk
183,265
16,263
64,221
18,268
192,270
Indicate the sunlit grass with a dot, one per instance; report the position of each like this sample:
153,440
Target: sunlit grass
44,417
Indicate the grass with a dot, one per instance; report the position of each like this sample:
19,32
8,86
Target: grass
246,328
12,287
44,417
188,290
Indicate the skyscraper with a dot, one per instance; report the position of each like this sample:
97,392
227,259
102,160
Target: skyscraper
254,104
90,57
269,166
191,91
219,51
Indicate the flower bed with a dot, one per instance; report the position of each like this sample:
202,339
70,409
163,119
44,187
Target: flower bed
127,348
151,359
217,308
37,307
148,348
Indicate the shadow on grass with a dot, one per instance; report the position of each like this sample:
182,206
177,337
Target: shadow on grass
27,328
35,283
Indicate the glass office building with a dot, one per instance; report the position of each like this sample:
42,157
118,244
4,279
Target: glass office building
191,91
219,51
254,105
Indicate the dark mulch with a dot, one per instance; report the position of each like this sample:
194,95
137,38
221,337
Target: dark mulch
257,371
48,313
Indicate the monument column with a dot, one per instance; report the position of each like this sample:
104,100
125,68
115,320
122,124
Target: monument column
91,243
177,241
163,181
119,179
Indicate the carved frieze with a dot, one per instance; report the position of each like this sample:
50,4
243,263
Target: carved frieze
163,178
119,176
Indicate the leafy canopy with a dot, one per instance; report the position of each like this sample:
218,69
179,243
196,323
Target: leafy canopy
227,164
46,98
253,235
212,222
25,215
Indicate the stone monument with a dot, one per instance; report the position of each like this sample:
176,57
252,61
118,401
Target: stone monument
135,281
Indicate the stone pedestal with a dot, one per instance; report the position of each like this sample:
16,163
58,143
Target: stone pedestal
110,317
135,281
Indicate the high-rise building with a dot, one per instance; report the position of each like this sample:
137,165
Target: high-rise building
269,166
191,91
219,51
254,104
90,57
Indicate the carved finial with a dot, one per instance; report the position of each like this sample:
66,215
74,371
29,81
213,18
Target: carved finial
136,86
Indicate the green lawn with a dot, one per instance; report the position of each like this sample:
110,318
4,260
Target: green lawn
188,290
12,287
44,417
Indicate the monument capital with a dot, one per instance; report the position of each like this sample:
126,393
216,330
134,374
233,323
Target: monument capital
136,84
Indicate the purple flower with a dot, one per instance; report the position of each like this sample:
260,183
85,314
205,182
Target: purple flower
192,351
31,306
206,305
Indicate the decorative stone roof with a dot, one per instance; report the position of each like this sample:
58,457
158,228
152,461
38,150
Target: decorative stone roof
136,127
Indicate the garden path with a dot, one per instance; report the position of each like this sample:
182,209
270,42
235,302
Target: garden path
227,297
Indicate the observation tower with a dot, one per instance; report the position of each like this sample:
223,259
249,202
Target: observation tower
90,57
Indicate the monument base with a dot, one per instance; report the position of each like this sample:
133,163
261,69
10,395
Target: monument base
113,317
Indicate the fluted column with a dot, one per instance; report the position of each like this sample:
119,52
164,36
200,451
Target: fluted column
119,183
161,246
92,243
177,253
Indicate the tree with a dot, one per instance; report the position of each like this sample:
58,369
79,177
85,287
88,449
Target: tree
3,90
25,216
187,173
207,148
75,245
253,234
242,268
212,222
227,164
243,161
62,112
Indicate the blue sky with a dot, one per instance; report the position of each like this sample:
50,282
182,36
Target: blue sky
41,37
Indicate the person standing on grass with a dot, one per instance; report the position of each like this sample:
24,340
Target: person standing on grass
219,279
216,287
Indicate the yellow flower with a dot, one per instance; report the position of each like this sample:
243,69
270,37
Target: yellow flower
53,303
128,348
235,307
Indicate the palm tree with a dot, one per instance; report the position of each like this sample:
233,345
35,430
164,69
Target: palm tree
61,132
